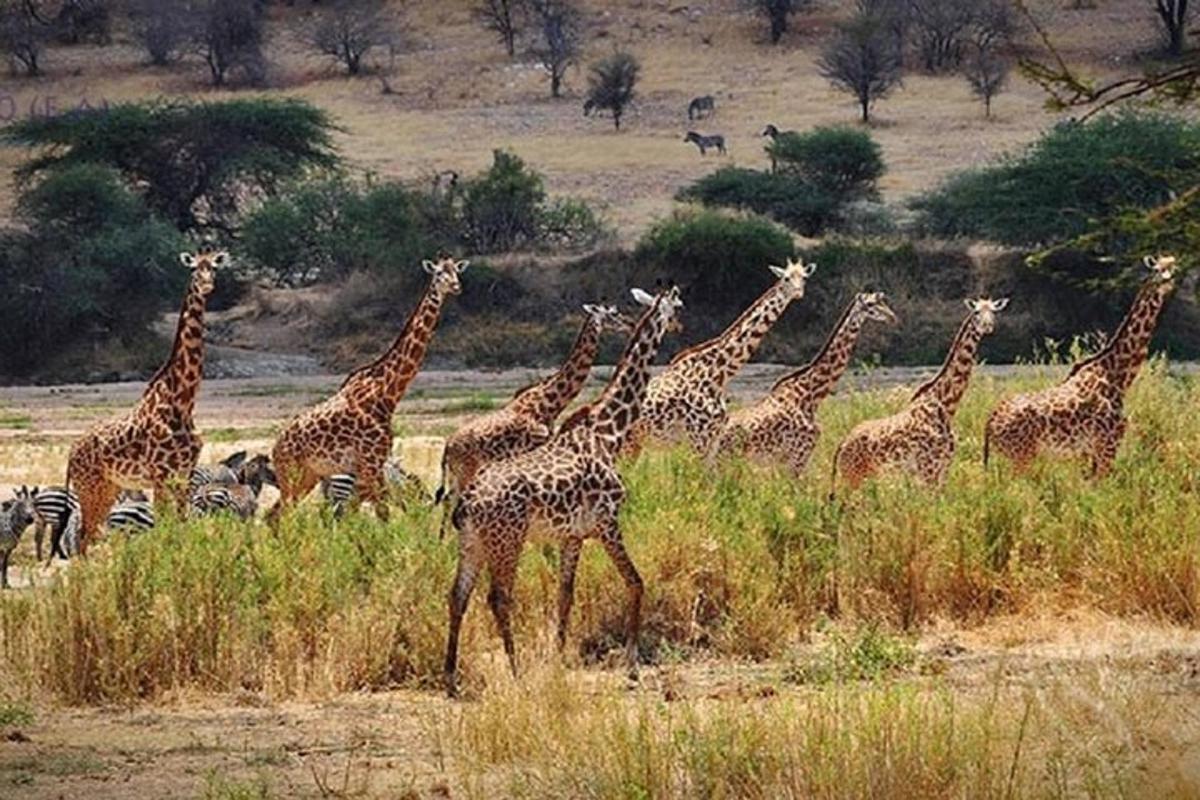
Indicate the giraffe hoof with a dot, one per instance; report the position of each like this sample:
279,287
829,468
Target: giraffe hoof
453,690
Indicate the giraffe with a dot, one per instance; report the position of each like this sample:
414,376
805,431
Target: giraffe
920,438
155,444
568,489
525,422
783,427
351,432
1084,415
687,400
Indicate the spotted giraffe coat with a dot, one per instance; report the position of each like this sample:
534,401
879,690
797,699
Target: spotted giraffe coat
155,445
920,439
1084,415
782,428
687,402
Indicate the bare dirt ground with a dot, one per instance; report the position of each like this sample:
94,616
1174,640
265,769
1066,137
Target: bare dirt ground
392,744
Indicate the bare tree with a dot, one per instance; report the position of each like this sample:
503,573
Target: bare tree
229,37
862,59
164,28
349,29
611,84
505,18
940,28
1174,16
23,35
777,14
987,73
82,20
560,31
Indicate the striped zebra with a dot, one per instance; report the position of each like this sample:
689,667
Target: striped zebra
712,142
702,106
15,516
57,513
339,490
133,514
774,134
240,497
224,472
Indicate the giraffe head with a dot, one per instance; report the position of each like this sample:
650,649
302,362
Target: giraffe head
608,318
204,266
873,306
983,312
445,272
1162,268
666,304
793,277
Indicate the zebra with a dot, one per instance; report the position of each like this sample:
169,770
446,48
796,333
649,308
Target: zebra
702,106
56,511
716,141
224,472
15,516
132,512
339,490
240,497
774,133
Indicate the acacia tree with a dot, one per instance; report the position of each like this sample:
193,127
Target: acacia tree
229,36
1174,16
23,35
611,84
164,28
560,31
987,73
777,14
350,29
863,60
504,17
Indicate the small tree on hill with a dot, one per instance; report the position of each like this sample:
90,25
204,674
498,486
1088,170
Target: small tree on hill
862,59
350,29
987,73
229,37
1174,15
560,30
777,14
611,84
505,18
23,35
164,28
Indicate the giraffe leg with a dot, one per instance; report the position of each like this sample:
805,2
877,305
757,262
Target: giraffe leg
96,497
371,488
4,569
1105,452
500,601
460,595
569,561
634,587
39,535
299,481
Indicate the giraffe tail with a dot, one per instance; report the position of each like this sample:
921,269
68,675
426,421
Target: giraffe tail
833,475
987,442
442,498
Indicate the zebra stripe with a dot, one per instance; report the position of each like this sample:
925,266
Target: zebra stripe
137,514
57,510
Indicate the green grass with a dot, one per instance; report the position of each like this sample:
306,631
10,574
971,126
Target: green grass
15,714
15,421
738,562
229,435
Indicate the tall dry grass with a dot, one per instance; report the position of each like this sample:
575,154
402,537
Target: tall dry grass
738,562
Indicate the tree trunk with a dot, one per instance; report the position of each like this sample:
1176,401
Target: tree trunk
865,101
987,106
617,118
555,81
510,41
779,26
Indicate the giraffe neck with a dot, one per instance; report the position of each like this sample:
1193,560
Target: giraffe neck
948,386
620,405
547,398
1123,357
814,382
381,384
175,383
730,351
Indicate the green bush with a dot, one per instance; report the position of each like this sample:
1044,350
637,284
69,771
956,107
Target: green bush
500,208
789,201
1075,174
326,229
841,162
719,259
88,260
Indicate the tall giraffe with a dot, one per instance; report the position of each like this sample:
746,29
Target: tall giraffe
783,427
155,445
525,422
351,432
920,438
567,489
1084,415
687,400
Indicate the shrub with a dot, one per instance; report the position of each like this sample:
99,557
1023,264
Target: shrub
783,197
89,261
843,162
500,207
1073,175
719,259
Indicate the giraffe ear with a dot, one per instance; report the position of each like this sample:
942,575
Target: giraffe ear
970,304
1148,262
188,260
809,269
1000,305
429,266
220,258
461,266
591,309
778,271
645,298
